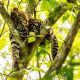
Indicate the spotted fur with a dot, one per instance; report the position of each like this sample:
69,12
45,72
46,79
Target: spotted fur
20,21
35,26
24,25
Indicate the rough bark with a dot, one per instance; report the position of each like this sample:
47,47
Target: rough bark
30,6
64,50
51,20
53,17
6,16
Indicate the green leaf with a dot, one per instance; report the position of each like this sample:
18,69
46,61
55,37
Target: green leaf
38,69
3,43
31,39
65,17
68,72
45,5
11,78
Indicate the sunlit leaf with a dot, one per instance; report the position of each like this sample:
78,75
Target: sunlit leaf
38,69
2,43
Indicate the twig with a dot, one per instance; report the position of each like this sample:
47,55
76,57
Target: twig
38,3
8,74
2,29
38,63
4,22
8,4
19,3
35,8
48,55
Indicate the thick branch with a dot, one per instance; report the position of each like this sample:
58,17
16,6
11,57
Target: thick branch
24,48
64,50
30,6
10,24
53,17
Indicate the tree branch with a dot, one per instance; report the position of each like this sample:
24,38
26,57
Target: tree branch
53,17
24,48
2,29
64,50
7,19
30,6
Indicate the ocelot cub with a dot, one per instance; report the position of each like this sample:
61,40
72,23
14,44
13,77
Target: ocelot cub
24,24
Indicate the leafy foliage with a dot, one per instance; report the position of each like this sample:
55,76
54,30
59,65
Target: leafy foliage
41,61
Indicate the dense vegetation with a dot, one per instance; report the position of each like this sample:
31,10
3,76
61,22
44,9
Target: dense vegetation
61,16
